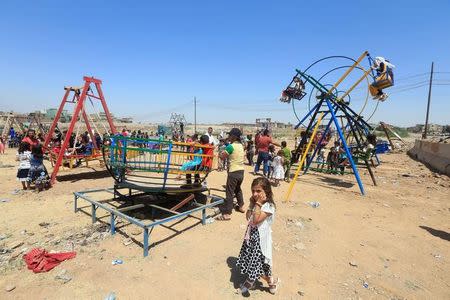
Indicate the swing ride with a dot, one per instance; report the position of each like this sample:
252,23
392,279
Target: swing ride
90,91
336,106
156,165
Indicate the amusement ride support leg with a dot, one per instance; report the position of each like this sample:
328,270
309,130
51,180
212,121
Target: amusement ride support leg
307,115
359,143
347,151
310,125
291,186
88,126
320,141
76,113
56,119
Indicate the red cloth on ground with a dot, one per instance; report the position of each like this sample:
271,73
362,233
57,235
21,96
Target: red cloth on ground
39,260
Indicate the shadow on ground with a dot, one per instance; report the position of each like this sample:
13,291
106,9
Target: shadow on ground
438,233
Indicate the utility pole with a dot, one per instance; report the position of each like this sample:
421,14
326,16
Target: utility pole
424,135
195,115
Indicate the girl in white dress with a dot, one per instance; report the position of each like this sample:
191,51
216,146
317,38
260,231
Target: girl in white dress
278,169
255,257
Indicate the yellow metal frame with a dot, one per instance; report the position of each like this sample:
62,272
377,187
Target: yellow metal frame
302,161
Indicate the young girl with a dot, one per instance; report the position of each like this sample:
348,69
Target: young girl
38,173
23,156
255,257
221,161
278,170
2,145
270,161
250,152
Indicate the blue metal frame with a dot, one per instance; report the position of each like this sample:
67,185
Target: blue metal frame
307,115
344,143
320,142
166,171
115,213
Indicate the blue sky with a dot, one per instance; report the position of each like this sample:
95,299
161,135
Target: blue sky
234,56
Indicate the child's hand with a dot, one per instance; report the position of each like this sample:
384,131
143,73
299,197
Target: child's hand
248,214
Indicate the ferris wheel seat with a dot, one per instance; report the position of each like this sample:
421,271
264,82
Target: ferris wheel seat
290,93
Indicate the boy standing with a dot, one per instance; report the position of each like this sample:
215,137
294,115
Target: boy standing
287,160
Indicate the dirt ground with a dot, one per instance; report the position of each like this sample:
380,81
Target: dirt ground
392,243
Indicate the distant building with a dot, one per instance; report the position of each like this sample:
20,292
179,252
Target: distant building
51,114
264,123
432,128
124,120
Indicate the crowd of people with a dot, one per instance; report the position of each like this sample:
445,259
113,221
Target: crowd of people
233,151
30,155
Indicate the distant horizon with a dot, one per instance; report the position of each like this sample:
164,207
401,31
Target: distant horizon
219,123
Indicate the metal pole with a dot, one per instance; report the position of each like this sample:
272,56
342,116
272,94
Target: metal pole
195,115
424,136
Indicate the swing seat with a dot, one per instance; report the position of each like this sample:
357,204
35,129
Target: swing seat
290,93
385,80
71,159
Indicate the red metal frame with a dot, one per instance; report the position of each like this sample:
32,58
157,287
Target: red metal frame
79,99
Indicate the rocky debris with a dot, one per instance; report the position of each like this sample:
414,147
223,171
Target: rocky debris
10,287
15,244
88,235
301,293
299,246
63,276
135,231
353,263
3,236
127,241
44,224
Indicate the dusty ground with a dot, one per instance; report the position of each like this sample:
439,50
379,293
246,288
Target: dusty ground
395,241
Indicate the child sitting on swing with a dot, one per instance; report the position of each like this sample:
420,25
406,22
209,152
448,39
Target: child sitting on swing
293,91
195,163
384,74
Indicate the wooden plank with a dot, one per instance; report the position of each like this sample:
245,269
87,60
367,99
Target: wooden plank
128,208
183,202
164,209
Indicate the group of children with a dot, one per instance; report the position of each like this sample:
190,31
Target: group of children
279,164
279,161
31,166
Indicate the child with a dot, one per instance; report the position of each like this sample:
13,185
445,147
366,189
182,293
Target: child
270,161
250,153
255,257
221,161
332,160
278,170
2,145
384,74
38,173
199,161
287,155
193,164
321,159
294,91
23,156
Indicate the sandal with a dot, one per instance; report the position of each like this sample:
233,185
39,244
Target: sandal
273,286
246,286
223,218
239,209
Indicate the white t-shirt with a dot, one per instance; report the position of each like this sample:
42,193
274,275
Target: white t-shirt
212,140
